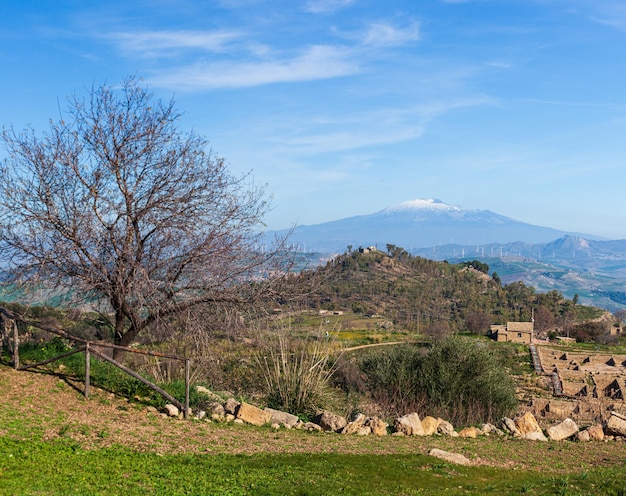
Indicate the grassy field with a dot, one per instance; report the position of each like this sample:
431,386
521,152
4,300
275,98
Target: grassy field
53,441
63,467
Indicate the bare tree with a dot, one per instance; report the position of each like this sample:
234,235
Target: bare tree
544,319
117,203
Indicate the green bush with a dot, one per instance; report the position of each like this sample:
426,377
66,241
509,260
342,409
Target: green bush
458,379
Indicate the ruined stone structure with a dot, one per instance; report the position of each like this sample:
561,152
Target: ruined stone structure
588,386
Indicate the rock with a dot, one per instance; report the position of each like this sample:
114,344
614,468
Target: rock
527,423
583,436
489,429
354,426
210,394
152,410
229,418
238,421
282,418
217,409
535,436
508,425
275,426
171,410
430,425
446,428
251,414
231,405
616,425
409,424
329,421
311,427
377,426
472,432
455,458
364,430
595,432
200,415
561,431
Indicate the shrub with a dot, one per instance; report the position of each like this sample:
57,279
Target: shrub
297,373
458,379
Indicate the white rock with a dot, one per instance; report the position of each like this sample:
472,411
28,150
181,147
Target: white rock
455,458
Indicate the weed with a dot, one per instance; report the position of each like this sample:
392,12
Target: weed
64,430
526,488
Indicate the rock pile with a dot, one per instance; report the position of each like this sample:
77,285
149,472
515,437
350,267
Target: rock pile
524,426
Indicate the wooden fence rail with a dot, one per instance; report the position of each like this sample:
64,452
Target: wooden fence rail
10,339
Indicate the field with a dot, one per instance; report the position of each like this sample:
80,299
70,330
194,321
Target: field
53,441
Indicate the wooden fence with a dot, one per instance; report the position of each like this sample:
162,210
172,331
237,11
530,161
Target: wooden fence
10,340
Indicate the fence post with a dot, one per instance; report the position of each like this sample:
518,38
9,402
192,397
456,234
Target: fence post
87,370
187,368
16,346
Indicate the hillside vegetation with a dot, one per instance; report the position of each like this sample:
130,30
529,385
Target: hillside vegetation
435,298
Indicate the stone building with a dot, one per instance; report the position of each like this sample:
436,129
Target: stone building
515,332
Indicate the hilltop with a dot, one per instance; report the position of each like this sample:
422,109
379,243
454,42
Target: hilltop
432,297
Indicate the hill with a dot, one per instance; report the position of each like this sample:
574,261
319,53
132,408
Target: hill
546,258
428,296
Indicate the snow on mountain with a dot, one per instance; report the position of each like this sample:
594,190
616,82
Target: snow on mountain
419,204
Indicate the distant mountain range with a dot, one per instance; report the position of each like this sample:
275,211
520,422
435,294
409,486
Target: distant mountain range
418,224
594,270
545,258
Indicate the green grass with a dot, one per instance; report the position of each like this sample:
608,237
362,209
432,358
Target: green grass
62,467
102,374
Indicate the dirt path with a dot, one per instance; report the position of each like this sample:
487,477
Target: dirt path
360,347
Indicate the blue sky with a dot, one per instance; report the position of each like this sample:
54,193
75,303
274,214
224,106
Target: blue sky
344,107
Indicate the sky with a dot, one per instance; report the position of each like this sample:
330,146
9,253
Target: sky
345,107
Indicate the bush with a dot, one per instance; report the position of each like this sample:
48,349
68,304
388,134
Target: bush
458,379
297,373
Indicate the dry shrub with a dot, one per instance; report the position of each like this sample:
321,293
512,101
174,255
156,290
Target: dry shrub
297,372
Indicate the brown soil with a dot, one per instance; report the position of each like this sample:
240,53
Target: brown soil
47,406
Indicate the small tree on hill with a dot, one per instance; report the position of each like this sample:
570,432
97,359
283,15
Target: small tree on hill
117,203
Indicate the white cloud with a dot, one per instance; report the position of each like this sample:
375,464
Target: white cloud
608,12
351,140
326,6
382,34
148,43
363,130
317,62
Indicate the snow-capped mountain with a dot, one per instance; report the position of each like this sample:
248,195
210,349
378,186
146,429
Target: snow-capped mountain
421,223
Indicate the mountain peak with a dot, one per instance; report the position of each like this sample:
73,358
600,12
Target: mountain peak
421,204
